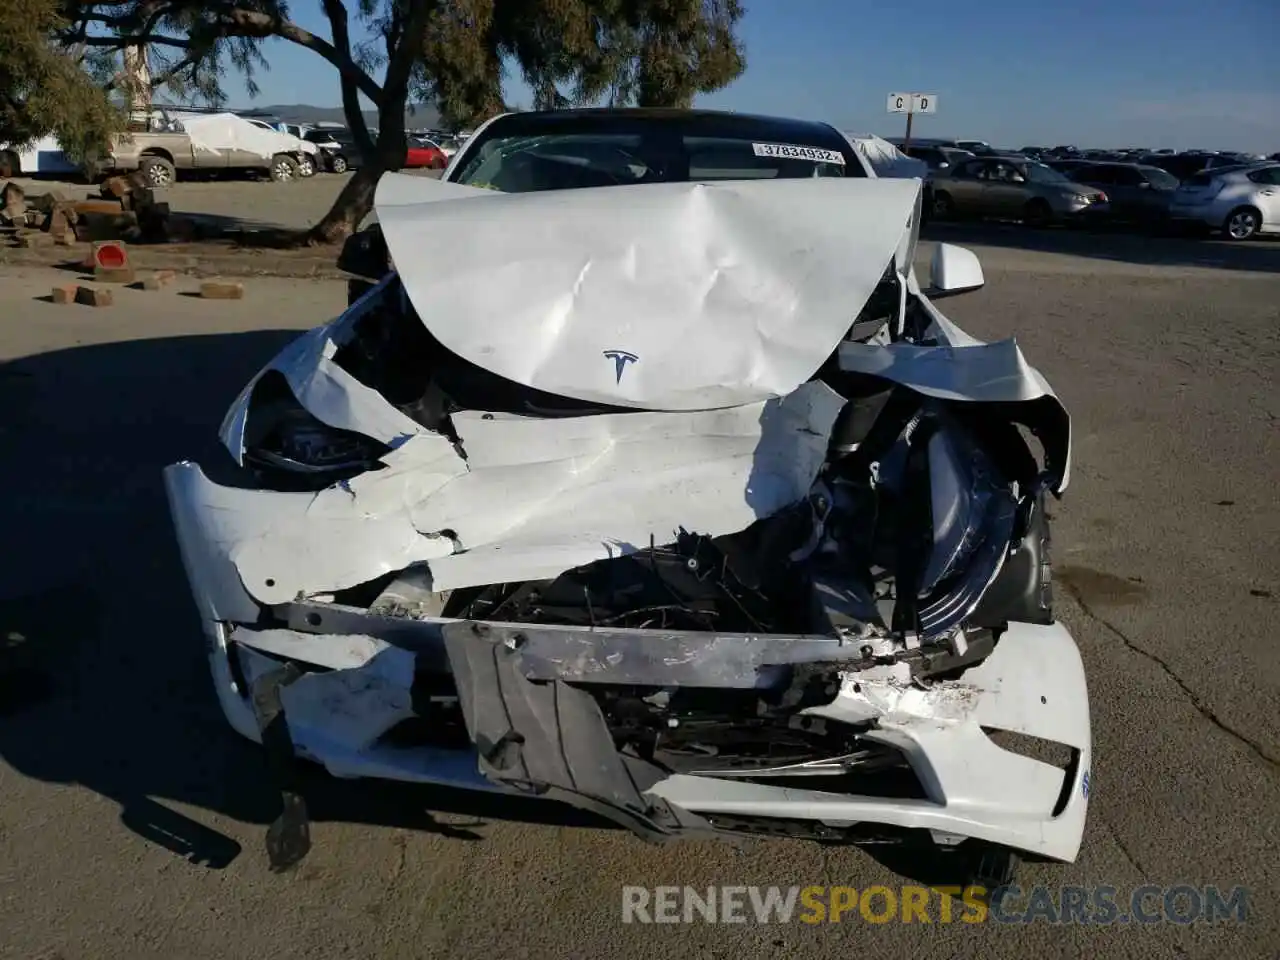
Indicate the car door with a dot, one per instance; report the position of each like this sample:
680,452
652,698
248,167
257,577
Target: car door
1267,196
965,186
1147,200
1005,192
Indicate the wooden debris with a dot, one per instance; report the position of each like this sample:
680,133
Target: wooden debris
12,195
46,203
66,293
217,290
108,207
34,238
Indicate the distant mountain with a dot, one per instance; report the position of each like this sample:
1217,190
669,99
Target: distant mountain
418,118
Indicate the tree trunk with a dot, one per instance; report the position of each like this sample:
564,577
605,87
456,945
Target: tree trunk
352,206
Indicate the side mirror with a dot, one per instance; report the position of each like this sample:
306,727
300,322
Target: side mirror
953,270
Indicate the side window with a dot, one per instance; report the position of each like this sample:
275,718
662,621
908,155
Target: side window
1268,175
973,170
1104,176
1128,177
1006,172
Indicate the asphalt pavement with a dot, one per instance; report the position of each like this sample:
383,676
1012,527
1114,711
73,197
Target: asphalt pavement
132,820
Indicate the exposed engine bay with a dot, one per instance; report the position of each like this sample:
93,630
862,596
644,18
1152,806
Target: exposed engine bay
666,608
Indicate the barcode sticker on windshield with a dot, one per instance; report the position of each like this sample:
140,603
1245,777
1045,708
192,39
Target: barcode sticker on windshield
793,152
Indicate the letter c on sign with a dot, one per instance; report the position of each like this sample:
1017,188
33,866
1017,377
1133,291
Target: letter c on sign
898,103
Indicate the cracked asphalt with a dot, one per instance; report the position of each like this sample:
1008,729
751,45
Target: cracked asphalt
132,821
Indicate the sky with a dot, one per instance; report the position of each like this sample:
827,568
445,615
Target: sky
1106,73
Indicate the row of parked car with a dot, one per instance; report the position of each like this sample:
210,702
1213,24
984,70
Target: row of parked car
168,144
1236,194
339,152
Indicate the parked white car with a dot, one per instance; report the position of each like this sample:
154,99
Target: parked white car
1242,202
307,152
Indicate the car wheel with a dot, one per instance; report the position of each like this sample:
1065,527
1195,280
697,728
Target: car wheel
157,171
284,169
1242,223
306,166
944,208
339,164
1037,213
438,163
10,165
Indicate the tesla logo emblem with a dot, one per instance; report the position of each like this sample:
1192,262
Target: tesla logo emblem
620,360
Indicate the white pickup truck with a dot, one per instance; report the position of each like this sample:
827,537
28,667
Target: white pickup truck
208,142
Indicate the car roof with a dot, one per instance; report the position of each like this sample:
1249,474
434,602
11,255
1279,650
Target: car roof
542,118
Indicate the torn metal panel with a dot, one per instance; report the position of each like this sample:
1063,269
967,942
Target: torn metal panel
323,388
668,296
551,739
973,372
591,488
1033,683
337,652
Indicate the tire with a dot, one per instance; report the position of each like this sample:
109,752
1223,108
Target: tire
944,208
438,164
10,165
284,169
1037,213
306,166
338,164
1242,223
157,171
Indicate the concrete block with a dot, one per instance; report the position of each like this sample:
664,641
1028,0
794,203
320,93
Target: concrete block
218,290
92,297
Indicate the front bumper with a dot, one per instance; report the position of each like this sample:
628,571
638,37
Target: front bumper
1087,212
532,726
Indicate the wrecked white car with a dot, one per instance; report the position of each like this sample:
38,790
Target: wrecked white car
675,499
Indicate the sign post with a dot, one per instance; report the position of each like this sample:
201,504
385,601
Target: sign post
911,104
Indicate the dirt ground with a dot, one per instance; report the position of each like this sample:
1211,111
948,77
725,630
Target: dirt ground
235,203
132,820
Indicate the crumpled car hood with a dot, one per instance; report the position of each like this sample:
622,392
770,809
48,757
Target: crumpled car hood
670,296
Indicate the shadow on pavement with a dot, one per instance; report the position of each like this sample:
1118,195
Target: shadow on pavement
103,680
1117,244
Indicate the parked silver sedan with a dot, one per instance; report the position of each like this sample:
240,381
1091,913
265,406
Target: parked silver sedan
1015,189
1242,202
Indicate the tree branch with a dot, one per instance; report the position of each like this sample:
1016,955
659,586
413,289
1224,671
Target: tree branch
120,42
336,11
252,23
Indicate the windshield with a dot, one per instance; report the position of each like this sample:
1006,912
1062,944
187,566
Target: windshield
1039,173
618,149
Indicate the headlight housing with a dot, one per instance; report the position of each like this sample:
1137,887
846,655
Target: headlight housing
290,448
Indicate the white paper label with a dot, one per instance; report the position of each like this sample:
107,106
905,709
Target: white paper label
794,152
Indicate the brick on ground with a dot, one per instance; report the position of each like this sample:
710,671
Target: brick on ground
93,297
158,280
66,293
221,290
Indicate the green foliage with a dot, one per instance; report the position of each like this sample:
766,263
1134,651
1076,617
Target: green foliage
578,52
47,87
